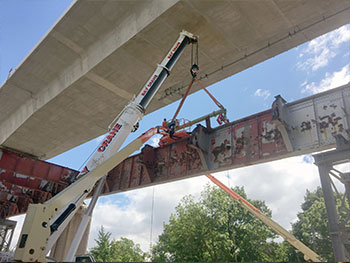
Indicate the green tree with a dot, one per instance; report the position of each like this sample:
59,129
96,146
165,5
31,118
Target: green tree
102,252
215,228
123,250
311,227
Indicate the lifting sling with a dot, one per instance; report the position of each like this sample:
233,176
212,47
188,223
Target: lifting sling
210,95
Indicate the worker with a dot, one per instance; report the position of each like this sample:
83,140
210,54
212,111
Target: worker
171,128
165,125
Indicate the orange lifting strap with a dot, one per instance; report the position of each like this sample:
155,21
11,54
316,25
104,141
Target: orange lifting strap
210,95
186,94
183,100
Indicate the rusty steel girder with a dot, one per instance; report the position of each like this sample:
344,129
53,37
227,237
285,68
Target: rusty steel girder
244,142
288,129
11,161
25,180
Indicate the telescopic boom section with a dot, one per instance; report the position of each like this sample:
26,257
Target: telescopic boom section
45,222
134,111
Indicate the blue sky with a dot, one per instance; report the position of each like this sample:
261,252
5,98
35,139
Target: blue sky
313,67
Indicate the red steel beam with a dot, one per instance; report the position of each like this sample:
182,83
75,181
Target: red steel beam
239,143
30,182
25,180
288,129
8,208
244,142
27,166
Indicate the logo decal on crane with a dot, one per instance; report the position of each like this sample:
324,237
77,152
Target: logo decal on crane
174,49
150,83
84,171
109,138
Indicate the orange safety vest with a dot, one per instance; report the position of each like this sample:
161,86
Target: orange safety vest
165,125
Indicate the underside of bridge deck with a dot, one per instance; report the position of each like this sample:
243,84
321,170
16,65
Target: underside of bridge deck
100,53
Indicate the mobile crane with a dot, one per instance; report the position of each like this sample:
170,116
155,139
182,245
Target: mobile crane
45,222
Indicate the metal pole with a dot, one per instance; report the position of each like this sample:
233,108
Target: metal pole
333,220
190,123
84,222
346,179
10,238
7,228
3,231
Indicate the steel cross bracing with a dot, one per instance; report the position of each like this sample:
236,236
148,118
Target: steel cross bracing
288,129
7,228
25,180
338,226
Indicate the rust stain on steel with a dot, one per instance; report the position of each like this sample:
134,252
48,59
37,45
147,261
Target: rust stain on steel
305,126
254,139
15,199
152,164
26,166
247,141
24,180
330,121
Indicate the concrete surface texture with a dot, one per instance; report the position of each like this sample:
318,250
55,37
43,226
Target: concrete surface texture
100,53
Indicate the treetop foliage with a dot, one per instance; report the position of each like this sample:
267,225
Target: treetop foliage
215,228
123,250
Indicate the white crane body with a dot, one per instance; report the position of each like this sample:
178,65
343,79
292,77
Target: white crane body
45,222
134,111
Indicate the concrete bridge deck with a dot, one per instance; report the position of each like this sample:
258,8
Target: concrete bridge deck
100,53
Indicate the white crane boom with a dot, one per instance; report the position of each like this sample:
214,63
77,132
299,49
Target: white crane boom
44,222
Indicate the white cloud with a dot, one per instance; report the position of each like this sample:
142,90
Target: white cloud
282,185
134,220
155,140
303,84
262,93
341,35
330,81
321,50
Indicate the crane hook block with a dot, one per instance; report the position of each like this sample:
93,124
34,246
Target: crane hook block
194,70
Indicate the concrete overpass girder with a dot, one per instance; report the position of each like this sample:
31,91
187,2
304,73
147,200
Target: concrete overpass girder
102,70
